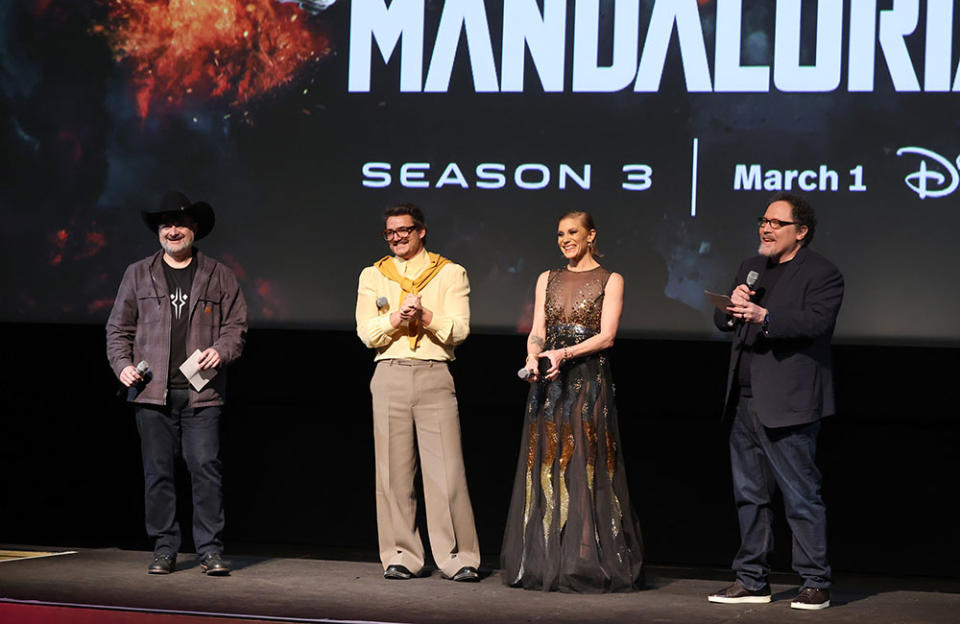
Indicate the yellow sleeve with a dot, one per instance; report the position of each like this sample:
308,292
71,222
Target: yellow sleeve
373,328
451,323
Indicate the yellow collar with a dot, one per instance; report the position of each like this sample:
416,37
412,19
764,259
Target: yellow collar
412,267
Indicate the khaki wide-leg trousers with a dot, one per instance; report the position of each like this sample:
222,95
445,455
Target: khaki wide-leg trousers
417,398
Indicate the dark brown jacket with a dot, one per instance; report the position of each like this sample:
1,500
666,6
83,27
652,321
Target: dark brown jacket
139,324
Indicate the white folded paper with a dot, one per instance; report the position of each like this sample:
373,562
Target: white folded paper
191,370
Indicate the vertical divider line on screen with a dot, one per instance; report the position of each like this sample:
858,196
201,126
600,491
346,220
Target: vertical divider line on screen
693,185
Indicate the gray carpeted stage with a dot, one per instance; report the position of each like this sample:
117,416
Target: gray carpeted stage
323,590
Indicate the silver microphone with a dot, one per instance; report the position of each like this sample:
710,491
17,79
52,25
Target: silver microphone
131,392
381,302
752,278
543,365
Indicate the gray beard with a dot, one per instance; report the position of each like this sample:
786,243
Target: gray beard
185,253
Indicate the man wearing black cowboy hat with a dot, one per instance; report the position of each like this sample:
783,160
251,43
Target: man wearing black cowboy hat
170,305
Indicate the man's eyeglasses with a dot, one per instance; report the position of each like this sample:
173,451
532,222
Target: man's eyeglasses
775,224
400,232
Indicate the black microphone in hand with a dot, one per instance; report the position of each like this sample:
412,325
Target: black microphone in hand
543,365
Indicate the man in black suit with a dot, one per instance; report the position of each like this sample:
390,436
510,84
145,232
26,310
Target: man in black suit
779,387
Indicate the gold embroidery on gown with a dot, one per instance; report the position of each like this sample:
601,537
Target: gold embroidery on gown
546,476
566,452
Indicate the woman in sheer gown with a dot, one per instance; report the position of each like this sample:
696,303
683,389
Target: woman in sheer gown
570,526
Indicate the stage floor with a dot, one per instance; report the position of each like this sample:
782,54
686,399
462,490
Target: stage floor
307,589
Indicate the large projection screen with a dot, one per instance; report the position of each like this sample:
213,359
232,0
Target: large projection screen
673,122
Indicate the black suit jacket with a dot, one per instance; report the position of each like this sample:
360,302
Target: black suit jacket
792,380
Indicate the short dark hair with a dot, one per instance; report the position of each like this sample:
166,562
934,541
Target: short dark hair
406,209
802,213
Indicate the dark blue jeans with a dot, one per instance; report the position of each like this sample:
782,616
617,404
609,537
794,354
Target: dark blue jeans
764,459
166,433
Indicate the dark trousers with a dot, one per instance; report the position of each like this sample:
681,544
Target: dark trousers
166,433
763,459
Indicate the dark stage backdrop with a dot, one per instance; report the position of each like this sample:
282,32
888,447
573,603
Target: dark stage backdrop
298,450
300,121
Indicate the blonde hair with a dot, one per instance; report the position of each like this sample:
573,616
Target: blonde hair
587,220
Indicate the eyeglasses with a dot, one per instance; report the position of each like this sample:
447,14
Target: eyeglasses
400,232
775,224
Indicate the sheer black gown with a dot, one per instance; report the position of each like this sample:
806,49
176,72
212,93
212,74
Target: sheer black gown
570,526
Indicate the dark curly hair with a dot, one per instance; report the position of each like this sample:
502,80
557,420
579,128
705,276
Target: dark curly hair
802,213
406,209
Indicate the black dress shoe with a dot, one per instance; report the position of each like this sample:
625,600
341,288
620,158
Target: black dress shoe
162,564
466,574
397,573
212,565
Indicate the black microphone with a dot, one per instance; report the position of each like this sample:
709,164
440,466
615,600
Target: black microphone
543,365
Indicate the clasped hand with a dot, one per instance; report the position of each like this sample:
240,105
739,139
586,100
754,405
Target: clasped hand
742,308
532,365
410,308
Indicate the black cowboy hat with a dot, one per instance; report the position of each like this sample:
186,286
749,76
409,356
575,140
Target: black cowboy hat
176,202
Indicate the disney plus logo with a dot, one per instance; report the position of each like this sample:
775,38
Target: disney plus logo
931,182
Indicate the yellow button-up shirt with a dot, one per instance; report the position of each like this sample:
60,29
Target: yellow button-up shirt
446,295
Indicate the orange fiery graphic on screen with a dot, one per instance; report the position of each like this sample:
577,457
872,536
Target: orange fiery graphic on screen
213,49
71,245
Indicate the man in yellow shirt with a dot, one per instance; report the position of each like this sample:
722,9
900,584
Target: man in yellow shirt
413,308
